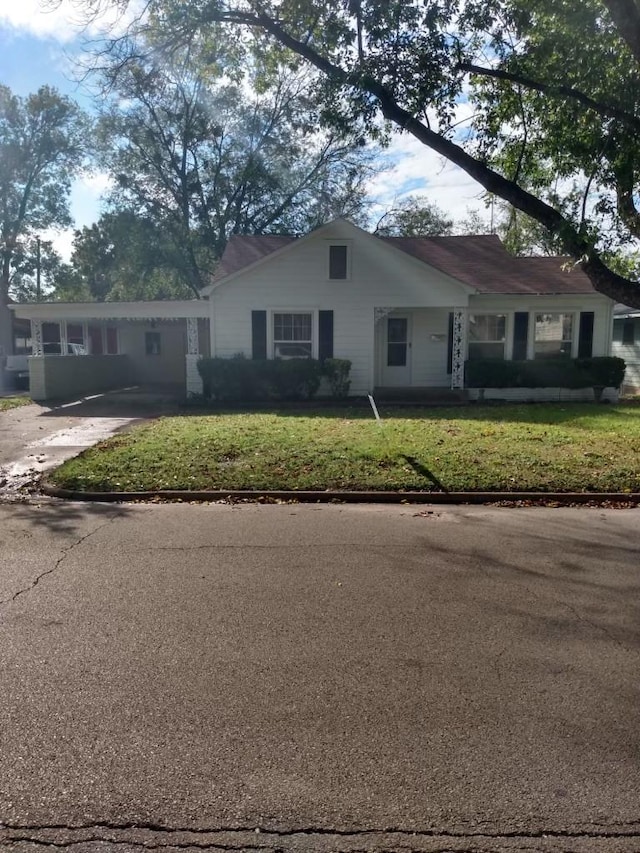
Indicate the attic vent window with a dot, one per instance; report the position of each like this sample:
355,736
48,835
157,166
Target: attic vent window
338,265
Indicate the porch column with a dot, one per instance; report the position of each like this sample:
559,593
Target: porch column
36,338
63,338
194,380
459,347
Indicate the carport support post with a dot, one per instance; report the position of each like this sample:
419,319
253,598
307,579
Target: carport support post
36,338
194,380
459,347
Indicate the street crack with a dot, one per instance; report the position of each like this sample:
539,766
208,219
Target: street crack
65,553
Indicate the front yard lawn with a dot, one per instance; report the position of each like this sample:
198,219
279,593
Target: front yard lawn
13,402
563,447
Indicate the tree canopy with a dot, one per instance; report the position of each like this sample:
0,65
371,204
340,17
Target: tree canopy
42,145
551,86
198,156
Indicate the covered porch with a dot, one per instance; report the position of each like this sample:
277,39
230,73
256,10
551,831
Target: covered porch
419,350
84,348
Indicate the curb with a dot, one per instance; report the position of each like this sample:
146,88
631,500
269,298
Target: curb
232,495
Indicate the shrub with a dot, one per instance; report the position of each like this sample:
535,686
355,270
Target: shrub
294,378
242,379
337,372
602,371
233,379
605,371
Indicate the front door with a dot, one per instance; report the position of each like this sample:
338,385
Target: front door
396,351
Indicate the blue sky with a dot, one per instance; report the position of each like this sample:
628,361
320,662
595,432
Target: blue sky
39,47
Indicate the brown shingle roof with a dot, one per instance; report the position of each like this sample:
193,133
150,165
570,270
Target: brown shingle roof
242,250
480,261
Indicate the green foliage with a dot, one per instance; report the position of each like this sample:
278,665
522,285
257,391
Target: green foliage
42,147
567,447
244,380
199,157
605,371
126,257
554,90
336,371
414,216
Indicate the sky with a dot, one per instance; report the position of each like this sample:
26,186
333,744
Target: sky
40,45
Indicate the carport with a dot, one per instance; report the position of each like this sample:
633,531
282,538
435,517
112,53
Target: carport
81,348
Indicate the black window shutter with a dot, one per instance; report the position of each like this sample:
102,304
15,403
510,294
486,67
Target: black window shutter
585,339
629,333
325,335
450,344
520,335
259,335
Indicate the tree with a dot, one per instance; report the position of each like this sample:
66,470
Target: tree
42,142
556,85
35,267
414,216
124,256
198,158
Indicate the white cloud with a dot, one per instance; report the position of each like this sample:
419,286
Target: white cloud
63,21
61,240
418,170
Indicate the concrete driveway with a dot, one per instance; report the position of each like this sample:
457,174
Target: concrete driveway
35,438
319,678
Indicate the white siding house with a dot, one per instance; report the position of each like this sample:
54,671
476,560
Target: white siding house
626,345
406,312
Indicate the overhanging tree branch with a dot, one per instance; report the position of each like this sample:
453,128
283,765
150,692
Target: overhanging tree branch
605,110
604,279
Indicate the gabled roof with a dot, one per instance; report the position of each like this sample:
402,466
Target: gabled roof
243,250
480,261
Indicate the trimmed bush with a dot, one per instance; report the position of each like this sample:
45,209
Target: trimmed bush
233,379
294,378
603,372
240,379
606,371
337,372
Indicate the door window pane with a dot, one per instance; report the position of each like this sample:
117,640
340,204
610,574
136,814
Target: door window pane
397,328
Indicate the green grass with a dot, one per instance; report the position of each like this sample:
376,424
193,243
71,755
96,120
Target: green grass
13,402
572,447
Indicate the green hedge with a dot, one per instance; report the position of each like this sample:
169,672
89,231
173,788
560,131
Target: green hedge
241,379
603,372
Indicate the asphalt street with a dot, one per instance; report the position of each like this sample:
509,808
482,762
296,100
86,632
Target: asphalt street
319,678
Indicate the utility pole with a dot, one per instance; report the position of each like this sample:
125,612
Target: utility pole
38,269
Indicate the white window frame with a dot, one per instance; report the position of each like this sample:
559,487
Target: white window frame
271,340
575,329
508,334
347,246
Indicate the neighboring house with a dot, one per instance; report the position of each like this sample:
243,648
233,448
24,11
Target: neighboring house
626,345
407,313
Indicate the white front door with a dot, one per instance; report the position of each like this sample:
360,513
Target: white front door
395,362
